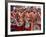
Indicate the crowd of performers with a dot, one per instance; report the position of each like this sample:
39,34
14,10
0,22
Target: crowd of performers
25,18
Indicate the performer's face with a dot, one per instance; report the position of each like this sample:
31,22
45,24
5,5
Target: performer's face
27,16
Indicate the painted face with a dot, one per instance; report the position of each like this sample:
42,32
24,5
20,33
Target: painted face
20,14
32,15
27,16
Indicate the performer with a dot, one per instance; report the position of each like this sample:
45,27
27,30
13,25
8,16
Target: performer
20,21
33,17
27,24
